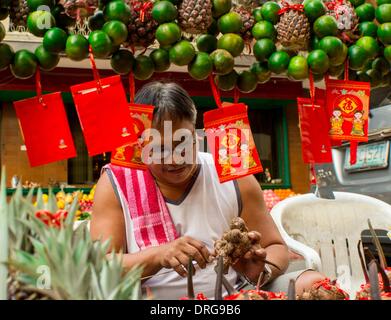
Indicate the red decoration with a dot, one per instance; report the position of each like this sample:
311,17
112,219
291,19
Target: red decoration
44,126
348,108
231,142
52,219
287,7
103,113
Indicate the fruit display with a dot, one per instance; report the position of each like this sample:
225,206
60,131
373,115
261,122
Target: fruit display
284,193
287,37
271,199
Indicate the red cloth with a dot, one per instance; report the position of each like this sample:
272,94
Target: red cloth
45,129
231,142
104,116
315,141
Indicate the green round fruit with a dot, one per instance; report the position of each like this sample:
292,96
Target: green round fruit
257,14
314,9
368,28
384,33
182,53
365,12
230,23
24,64
33,5
375,77
168,33
314,42
55,40
201,66
117,31
231,42
38,22
382,65
318,77
117,10
318,61
263,29
270,12
206,43
143,67
336,71
380,2
278,62
340,58
325,26
386,53
370,45
97,21
6,55
358,57
298,68
223,61
213,28
220,7
226,82
247,81
76,47
2,32
356,3
164,11
362,76
263,48
122,61
383,13
47,61
331,45
261,70
101,44
161,59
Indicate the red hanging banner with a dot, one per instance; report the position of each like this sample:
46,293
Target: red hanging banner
315,141
231,142
103,112
44,126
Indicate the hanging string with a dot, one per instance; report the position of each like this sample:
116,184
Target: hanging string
346,77
236,95
215,91
95,70
132,87
39,87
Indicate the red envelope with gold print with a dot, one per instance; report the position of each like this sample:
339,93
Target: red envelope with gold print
103,113
45,129
231,142
129,155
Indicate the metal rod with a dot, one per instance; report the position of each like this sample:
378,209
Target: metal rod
292,289
374,281
219,279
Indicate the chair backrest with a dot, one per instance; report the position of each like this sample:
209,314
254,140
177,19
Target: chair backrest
332,228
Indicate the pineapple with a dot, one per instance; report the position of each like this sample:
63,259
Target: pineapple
195,16
293,30
141,32
39,261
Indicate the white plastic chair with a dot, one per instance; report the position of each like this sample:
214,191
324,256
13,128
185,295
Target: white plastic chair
326,232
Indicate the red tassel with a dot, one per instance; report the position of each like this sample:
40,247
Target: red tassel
353,152
215,91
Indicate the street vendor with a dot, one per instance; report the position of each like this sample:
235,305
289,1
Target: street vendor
175,210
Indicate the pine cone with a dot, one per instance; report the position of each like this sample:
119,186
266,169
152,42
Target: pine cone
19,13
195,16
293,30
248,22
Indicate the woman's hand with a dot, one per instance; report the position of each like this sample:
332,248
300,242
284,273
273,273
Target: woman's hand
176,254
253,261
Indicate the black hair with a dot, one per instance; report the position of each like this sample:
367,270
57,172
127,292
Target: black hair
170,101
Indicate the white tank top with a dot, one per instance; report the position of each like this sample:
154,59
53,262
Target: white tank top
204,213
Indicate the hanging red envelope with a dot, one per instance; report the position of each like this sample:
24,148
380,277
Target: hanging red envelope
231,142
315,141
103,113
44,125
129,155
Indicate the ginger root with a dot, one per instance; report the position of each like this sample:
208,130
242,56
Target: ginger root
234,243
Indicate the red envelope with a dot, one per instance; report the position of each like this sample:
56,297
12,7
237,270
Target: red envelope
231,142
103,114
45,129
129,155
315,141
